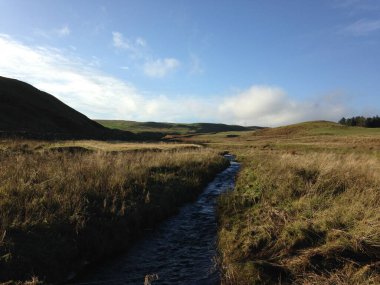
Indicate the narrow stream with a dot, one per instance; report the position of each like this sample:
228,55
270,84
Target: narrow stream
181,250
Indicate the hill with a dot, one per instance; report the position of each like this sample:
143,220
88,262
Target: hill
171,128
29,112
307,128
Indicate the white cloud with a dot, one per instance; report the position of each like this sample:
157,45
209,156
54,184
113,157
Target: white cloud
99,95
73,81
82,86
137,49
119,41
160,67
362,27
269,106
64,31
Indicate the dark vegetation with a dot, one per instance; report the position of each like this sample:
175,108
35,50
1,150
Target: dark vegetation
171,128
360,121
61,210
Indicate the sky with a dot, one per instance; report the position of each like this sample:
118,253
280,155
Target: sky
258,62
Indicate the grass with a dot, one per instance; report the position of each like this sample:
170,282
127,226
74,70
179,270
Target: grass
69,204
305,209
306,206
91,146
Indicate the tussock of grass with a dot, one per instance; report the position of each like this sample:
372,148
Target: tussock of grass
303,219
31,146
60,210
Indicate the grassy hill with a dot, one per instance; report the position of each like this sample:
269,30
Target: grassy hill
27,111
171,128
316,128
305,128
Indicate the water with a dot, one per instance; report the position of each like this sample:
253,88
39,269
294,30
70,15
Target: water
181,250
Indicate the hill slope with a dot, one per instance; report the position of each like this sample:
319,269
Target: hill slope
172,128
28,111
305,128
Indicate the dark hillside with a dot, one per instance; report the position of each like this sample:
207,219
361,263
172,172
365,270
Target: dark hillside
172,128
211,128
29,112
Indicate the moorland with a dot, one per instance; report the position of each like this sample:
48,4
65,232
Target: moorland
64,207
74,192
305,209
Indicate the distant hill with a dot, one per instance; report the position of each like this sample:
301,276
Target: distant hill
29,112
172,128
307,128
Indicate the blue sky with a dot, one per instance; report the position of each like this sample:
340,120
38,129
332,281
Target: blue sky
246,62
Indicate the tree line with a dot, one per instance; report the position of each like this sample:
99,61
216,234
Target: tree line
360,121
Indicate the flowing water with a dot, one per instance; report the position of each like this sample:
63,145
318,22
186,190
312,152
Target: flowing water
181,250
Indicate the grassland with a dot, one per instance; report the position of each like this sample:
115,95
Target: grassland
306,205
35,146
68,204
305,209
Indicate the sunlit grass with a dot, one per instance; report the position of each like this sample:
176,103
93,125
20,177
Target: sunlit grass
93,145
306,206
296,216
63,206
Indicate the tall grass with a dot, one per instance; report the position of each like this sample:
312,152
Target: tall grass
61,210
310,218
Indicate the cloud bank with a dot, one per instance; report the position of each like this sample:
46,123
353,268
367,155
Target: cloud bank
98,95
271,106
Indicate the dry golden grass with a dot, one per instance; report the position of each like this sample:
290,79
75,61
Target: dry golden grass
303,219
60,210
306,206
91,145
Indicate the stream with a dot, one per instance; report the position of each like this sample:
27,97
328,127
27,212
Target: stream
182,250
